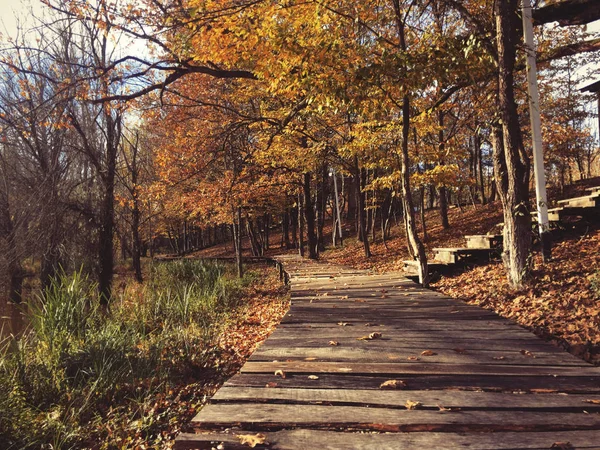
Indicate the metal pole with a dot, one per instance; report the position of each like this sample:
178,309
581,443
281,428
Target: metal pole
536,132
337,204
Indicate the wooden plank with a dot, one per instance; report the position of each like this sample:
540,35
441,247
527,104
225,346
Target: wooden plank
276,416
349,353
407,330
492,383
332,440
419,368
395,398
402,344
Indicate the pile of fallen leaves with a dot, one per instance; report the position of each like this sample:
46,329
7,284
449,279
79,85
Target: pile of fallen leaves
561,301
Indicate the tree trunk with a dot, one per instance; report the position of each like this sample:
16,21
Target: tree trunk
107,210
442,189
300,226
237,239
309,212
11,261
361,177
511,165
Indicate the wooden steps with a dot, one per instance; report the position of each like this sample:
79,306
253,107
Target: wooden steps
465,377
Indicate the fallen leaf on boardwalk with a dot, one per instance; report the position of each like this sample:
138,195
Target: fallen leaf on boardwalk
370,337
271,384
344,297
498,358
410,404
412,358
428,353
280,373
343,324
313,377
345,369
461,351
334,343
593,402
527,353
310,358
393,384
562,445
443,409
252,440
543,391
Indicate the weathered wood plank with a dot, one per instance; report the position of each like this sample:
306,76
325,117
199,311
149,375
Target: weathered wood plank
347,352
398,398
419,368
493,383
275,416
331,440
403,344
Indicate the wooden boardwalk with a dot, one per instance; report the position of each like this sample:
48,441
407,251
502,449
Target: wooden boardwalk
375,361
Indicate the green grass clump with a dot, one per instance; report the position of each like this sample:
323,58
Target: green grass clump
78,364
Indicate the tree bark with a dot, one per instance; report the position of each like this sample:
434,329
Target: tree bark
309,212
511,164
442,189
107,210
361,177
237,239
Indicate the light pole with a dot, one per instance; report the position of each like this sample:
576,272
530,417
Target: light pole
536,133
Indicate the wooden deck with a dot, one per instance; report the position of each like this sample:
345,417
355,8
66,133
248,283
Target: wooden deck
462,376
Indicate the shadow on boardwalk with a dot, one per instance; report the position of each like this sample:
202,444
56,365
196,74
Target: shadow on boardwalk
375,361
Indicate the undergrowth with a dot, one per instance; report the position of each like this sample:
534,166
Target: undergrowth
78,368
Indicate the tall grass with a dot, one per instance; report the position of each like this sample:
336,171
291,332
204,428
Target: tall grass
77,361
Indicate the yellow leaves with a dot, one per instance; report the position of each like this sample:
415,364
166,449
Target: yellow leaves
252,440
393,384
411,404
370,337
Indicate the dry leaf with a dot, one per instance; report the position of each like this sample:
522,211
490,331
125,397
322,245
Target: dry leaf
310,358
412,358
280,372
334,343
562,445
443,409
343,324
252,440
393,384
527,353
410,404
593,402
428,353
543,391
313,377
271,384
370,337
344,297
